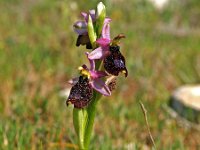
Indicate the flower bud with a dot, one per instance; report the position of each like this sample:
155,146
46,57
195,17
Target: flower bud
101,14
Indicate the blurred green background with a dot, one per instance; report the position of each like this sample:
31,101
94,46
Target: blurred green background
38,56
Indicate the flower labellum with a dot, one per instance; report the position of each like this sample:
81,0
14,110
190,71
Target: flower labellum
81,93
84,40
115,62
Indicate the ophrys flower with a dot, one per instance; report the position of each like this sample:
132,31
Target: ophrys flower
82,90
109,51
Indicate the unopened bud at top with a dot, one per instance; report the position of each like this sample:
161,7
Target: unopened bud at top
101,14
101,9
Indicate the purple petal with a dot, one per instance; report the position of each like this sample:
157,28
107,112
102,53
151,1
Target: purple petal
101,87
92,14
80,24
92,63
85,15
98,74
73,81
103,42
80,27
80,31
98,53
106,29
107,20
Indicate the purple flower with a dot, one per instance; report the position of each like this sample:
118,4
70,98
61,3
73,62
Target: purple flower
109,51
81,28
82,91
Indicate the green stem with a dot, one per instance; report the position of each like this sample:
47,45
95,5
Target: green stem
91,110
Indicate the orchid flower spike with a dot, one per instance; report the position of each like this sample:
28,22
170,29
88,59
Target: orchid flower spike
82,90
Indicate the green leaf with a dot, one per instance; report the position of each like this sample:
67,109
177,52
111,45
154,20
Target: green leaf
91,109
80,117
